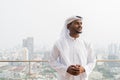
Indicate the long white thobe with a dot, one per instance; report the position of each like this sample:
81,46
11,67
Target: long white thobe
69,51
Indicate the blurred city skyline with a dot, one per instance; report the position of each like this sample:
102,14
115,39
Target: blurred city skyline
43,20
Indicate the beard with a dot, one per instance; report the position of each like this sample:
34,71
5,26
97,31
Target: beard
78,32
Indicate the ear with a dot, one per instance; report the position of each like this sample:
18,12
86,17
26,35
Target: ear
68,26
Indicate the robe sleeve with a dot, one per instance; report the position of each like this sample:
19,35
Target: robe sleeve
56,63
91,61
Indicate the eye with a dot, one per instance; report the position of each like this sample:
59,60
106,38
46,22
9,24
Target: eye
78,23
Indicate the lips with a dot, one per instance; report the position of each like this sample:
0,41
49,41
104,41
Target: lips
79,30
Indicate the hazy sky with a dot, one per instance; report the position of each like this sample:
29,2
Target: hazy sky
44,19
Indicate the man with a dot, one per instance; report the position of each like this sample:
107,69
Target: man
72,57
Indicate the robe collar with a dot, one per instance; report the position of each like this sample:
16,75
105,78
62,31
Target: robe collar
71,38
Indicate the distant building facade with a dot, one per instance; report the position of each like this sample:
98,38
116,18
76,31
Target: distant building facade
29,44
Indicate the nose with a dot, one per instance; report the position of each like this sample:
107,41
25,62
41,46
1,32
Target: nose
80,27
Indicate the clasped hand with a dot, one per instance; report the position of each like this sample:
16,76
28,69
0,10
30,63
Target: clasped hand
75,69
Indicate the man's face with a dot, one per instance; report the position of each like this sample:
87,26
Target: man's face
75,27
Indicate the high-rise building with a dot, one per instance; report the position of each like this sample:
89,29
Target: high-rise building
113,48
29,44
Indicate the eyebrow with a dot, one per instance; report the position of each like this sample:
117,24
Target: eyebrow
78,21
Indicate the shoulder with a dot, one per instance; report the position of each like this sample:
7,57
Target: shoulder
60,40
87,43
61,43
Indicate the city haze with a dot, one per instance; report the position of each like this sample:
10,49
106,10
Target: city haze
43,20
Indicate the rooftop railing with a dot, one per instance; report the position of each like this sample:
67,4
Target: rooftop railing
40,70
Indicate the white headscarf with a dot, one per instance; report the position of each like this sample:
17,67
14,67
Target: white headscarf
65,31
62,45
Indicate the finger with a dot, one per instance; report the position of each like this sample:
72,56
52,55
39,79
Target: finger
72,65
75,72
75,69
78,65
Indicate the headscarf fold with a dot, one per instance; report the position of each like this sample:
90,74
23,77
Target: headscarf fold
62,45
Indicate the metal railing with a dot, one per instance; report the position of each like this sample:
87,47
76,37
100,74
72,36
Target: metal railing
45,61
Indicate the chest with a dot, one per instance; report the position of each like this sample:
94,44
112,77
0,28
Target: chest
77,49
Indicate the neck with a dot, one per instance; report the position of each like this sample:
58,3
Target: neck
74,35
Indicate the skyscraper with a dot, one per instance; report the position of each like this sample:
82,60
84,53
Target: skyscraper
29,44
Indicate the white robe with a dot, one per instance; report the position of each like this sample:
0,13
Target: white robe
69,51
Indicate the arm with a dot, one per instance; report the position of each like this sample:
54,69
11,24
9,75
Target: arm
55,62
62,69
91,61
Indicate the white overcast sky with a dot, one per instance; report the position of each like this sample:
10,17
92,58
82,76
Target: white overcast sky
44,19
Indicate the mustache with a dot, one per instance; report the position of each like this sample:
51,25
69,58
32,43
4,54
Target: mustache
78,32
